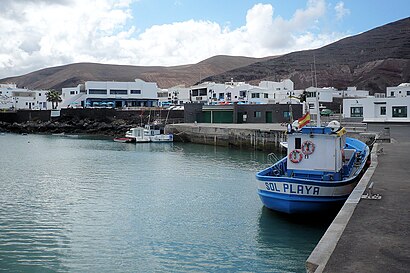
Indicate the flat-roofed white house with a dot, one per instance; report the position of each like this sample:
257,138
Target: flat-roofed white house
208,92
394,107
12,97
177,95
400,91
350,92
241,92
111,94
374,109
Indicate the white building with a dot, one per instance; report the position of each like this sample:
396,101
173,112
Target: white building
177,95
400,91
241,92
350,92
12,97
373,109
112,94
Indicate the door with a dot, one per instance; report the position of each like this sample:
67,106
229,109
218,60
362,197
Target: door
268,118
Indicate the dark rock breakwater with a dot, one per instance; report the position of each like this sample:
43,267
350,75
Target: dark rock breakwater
86,126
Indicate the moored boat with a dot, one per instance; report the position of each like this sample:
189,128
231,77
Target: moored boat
124,139
321,169
148,133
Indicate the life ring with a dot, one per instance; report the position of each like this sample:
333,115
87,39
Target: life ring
308,147
295,156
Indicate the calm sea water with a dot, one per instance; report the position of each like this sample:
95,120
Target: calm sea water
92,205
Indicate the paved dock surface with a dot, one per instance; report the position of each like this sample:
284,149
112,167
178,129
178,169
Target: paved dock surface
377,237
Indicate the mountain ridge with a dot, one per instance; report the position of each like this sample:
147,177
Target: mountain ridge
371,60
165,76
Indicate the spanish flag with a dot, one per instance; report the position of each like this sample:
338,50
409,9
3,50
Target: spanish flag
304,120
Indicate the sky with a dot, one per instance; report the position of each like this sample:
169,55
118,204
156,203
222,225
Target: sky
36,34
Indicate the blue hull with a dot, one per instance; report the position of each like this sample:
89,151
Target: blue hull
298,195
300,205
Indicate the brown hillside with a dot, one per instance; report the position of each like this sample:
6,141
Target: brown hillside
371,61
73,74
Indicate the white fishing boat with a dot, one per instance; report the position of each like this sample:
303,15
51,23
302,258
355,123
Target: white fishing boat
148,133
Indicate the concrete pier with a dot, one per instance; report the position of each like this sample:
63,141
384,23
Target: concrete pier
372,235
257,136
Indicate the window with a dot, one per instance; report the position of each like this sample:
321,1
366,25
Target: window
118,92
265,95
72,92
311,94
298,143
39,94
194,93
399,111
257,114
221,96
286,114
408,93
97,91
202,92
255,95
392,93
242,94
356,112
382,110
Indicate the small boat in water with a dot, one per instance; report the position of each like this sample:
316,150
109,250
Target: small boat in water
321,169
124,139
148,133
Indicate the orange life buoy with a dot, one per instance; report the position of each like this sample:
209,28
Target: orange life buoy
308,147
295,156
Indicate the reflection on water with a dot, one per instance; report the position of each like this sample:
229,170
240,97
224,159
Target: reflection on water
91,205
280,240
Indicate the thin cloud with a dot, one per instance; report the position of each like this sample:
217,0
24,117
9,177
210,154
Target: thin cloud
341,11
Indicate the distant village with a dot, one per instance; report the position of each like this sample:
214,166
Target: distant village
391,106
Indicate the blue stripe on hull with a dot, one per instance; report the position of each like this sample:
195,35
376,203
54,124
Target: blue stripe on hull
293,204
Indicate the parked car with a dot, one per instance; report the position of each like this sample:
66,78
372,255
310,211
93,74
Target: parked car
326,112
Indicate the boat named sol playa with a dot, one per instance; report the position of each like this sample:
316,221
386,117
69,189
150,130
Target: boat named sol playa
321,169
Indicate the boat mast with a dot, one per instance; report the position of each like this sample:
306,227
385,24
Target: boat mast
317,93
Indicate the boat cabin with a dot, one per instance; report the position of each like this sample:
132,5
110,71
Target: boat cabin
317,152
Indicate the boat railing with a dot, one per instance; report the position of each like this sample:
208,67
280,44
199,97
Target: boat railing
279,168
347,169
273,158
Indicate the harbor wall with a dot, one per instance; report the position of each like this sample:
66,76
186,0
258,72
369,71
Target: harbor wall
264,137
100,114
229,136
110,122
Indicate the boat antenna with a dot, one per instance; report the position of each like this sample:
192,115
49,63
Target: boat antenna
317,93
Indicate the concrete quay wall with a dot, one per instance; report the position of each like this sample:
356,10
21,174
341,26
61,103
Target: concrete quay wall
251,136
320,256
258,136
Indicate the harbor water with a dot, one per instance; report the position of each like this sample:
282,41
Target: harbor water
76,204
